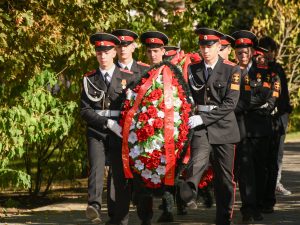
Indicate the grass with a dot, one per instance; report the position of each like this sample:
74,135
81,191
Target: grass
293,137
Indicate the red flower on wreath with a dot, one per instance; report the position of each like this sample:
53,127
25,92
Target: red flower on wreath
152,111
147,130
158,123
143,117
155,95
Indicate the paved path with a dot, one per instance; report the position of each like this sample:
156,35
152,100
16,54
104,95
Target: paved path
72,212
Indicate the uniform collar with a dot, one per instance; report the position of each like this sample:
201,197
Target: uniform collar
249,65
109,71
211,66
129,65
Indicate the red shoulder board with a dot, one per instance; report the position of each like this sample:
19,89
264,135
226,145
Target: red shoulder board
126,71
193,63
273,74
262,67
195,57
90,73
143,64
229,62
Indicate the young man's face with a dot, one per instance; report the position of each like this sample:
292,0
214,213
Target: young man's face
210,53
225,52
261,60
244,55
271,54
155,55
125,51
106,58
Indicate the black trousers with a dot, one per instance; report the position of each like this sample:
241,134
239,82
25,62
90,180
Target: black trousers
122,187
96,157
269,199
252,157
223,163
143,197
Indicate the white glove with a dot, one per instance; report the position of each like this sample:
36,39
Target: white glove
114,127
264,106
195,121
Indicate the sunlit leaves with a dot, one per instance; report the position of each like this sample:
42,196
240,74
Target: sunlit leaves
36,117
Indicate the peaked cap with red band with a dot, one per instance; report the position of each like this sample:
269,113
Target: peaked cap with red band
171,50
154,39
104,41
260,50
208,36
244,38
125,36
227,40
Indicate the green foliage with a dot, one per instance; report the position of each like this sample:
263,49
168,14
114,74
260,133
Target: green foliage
295,120
43,43
34,129
53,36
10,203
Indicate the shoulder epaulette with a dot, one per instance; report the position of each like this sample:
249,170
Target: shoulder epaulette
90,73
229,62
143,64
194,63
262,67
126,71
273,74
195,57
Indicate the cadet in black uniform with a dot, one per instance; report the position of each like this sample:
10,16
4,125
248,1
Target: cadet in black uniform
255,107
269,198
101,98
227,42
154,42
215,85
244,161
284,107
171,51
125,50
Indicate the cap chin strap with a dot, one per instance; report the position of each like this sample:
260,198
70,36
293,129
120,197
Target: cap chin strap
93,99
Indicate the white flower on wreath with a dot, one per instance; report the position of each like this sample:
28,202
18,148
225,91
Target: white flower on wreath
129,94
163,159
147,174
155,179
135,151
155,144
177,102
176,131
176,117
159,79
174,91
161,114
161,170
155,102
139,165
150,121
132,138
138,125
133,123
144,109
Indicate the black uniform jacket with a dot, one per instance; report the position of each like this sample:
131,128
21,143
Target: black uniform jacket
283,103
243,103
138,69
222,89
257,118
112,99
